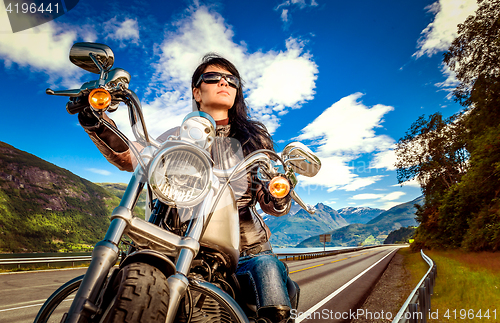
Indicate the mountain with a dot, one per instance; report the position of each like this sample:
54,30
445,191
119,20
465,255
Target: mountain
290,229
47,208
118,189
359,214
402,215
268,218
402,235
374,232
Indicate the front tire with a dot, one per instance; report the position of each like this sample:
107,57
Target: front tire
142,295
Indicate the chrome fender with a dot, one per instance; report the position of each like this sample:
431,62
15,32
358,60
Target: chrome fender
153,258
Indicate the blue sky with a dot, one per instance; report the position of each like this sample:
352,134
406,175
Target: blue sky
347,78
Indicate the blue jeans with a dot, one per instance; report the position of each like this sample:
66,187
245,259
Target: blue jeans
263,280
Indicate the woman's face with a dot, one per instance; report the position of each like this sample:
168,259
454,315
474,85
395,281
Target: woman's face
215,99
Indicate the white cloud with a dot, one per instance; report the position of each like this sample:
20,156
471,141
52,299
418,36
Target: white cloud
284,15
342,133
439,34
388,205
124,32
411,183
292,4
99,171
360,182
336,174
382,197
270,91
385,159
451,81
43,49
348,127
366,196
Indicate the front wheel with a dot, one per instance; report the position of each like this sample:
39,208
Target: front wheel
57,304
142,295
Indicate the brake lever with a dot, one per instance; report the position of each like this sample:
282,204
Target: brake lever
70,93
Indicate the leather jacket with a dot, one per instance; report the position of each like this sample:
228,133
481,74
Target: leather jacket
253,230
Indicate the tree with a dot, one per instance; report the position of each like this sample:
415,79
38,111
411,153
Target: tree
475,54
433,153
457,161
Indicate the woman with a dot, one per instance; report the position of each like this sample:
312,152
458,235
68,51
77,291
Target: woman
217,89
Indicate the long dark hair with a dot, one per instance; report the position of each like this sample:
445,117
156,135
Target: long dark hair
251,134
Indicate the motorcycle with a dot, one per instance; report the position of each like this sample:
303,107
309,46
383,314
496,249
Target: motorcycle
180,262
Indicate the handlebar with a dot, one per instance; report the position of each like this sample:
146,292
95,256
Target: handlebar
75,105
259,158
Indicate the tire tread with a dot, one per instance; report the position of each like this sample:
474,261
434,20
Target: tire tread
142,295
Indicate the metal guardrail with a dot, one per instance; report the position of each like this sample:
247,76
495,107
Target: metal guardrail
282,256
418,305
43,260
318,254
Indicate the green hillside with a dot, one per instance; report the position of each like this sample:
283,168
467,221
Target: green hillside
118,189
46,208
402,235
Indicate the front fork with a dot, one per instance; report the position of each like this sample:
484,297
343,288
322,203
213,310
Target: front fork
178,283
106,253
104,257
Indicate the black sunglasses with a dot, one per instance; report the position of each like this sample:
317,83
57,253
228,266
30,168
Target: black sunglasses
215,77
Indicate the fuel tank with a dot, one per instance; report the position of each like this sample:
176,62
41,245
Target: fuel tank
223,231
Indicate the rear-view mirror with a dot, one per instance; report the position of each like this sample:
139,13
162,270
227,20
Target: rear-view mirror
80,55
301,159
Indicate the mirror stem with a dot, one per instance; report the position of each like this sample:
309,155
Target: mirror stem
102,71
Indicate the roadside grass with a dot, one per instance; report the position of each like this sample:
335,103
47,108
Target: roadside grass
467,285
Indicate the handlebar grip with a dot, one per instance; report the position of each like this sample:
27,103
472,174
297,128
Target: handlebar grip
75,105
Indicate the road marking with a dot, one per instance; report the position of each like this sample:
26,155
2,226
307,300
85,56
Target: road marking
313,309
31,287
21,307
338,260
324,264
305,268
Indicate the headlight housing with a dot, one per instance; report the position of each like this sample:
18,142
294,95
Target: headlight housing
181,175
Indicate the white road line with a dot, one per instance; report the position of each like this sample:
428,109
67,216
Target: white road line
21,307
313,309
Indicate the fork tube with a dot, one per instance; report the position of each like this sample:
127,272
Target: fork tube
178,283
104,256
186,256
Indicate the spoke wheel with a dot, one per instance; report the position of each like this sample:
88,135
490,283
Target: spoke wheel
59,302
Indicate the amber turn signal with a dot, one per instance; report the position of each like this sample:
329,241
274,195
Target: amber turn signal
279,187
99,99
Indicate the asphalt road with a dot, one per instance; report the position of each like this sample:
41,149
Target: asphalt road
331,288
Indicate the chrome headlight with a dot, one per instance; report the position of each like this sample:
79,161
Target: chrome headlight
181,175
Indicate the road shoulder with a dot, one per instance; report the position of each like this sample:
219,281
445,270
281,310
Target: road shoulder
388,295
